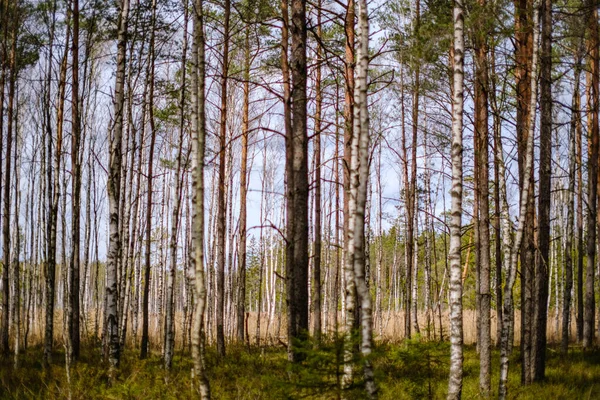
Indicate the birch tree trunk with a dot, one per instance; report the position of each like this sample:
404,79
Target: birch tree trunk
510,249
198,147
114,187
358,196
53,188
454,255
179,181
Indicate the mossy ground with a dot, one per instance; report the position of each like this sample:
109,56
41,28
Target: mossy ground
409,370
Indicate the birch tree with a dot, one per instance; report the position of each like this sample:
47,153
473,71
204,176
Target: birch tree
114,193
198,148
510,248
454,255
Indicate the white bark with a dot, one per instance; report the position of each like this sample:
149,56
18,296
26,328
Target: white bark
510,249
454,255
198,146
359,174
114,187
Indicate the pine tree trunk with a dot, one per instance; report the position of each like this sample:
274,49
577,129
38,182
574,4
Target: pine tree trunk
74,330
53,190
5,289
575,121
221,201
6,227
297,189
241,300
544,197
149,176
317,186
592,198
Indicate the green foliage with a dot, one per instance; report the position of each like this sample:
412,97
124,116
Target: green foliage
413,369
420,364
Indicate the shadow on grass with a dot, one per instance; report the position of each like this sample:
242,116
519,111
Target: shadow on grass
412,369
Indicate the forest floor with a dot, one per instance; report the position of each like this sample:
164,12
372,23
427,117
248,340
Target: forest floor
409,370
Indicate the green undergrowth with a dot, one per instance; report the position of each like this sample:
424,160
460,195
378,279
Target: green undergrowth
412,369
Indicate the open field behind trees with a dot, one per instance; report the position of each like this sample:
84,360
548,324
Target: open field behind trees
338,199
272,332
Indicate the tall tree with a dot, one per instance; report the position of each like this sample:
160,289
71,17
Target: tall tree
454,255
545,172
242,253
511,248
574,129
6,226
197,230
4,347
359,170
222,188
592,197
150,176
317,185
76,190
179,183
482,228
297,189
523,57
50,196
411,195
114,192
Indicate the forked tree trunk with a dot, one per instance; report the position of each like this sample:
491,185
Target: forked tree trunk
53,188
510,249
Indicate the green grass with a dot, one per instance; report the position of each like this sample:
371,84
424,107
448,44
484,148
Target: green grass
408,370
